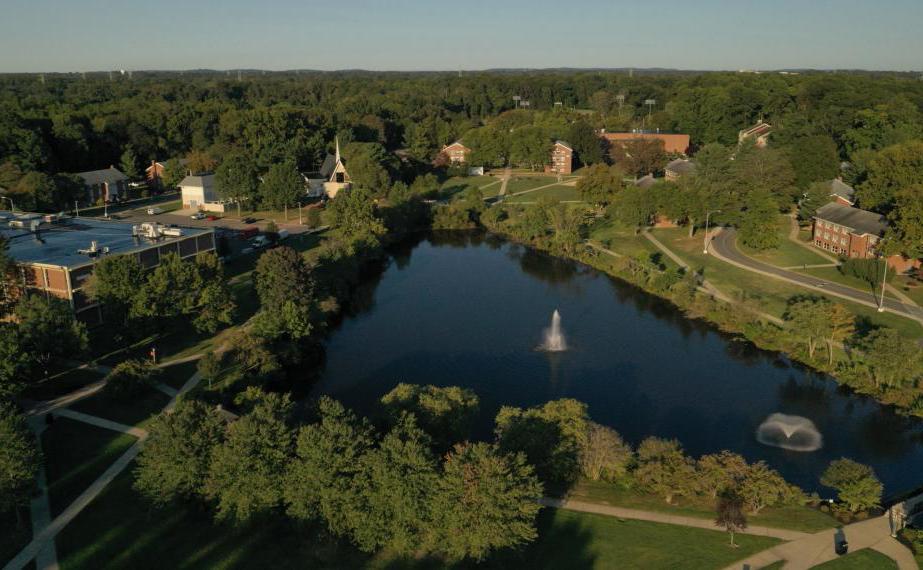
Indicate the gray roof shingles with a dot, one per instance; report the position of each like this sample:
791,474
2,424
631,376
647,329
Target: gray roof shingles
860,221
94,177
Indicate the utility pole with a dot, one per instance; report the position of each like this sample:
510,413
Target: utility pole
884,280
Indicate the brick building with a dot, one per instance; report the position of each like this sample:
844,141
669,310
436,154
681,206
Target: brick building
457,153
562,158
57,256
848,231
106,185
673,143
759,133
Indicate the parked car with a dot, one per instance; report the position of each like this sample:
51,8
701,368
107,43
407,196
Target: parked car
212,217
198,216
260,242
249,220
154,211
282,235
136,184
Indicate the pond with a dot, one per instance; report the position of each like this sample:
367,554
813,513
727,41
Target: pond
469,310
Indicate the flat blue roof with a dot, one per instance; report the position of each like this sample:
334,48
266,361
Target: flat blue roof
57,244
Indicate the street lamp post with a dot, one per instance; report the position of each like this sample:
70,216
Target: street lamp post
884,280
705,239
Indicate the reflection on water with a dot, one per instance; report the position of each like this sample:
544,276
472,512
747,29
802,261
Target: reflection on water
468,309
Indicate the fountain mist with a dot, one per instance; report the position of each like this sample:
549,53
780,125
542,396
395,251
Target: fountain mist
554,338
794,433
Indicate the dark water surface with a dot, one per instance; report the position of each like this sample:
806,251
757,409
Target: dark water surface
469,310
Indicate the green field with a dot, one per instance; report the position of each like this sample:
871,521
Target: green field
76,454
489,185
62,384
517,185
558,191
794,517
833,275
627,241
865,559
788,253
134,412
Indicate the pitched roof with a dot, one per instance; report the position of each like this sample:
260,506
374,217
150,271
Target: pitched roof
94,177
681,166
645,181
205,181
756,130
860,221
564,144
843,190
456,143
330,163
671,142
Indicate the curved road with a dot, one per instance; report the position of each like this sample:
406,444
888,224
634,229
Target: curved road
724,247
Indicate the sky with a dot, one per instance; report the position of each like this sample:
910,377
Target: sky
96,35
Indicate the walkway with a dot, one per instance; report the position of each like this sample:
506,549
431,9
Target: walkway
724,247
42,543
665,518
817,548
507,174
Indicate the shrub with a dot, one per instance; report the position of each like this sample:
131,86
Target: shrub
130,379
868,270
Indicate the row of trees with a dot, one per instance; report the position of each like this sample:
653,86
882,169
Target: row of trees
380,489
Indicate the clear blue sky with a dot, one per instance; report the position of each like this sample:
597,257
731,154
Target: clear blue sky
84,35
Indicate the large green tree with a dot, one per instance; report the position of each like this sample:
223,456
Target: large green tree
174,462
237,179
664,469
19,460
855,484
484,501
282,186
445,414
48,331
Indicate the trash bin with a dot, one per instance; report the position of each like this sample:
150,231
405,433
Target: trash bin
842,547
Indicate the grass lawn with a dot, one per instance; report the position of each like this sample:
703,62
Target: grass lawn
63,384
833,275
626,241
528,183
582,540
130,413
788,253
489,185
865,559
793,517
75,455
910,287
13,537
119,530
559,191
176,375
772,294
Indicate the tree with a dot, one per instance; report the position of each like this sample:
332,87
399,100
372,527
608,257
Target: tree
664,469
130,379
173,173
245,476
396,488
551,436
893,169
817,195
282,274
764,175
354,215
586,143
758,222
855,484
14,363
600,184
323,480
174,462
214,304
906,231
605,456
730,514
48,330
841,325
721,472
282,186
129,163
639,157
367,166
237,179
813,159
809,317
19,460
633,207
484,501
445,414
892,359
114,283
201,162
764,487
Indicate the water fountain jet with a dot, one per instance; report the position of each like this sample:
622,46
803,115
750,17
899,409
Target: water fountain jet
793,433
554,338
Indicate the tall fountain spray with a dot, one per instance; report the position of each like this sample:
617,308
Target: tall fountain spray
554,338
793,433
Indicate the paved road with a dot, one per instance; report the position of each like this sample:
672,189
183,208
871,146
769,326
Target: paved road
724,247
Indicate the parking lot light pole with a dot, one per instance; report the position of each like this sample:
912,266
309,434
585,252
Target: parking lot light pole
705,239
884,280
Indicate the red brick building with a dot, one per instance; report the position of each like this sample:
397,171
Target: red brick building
673,143
562,158
848,231
457,153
